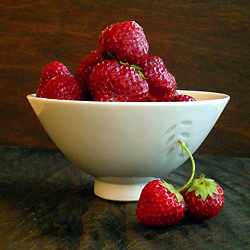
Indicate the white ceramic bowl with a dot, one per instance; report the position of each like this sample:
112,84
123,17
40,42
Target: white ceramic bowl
125,145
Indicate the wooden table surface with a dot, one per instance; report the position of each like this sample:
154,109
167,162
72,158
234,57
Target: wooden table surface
205,45
47,203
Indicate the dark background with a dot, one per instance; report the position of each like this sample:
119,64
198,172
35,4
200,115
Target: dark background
204,44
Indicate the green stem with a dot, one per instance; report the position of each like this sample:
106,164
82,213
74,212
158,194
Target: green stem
111,57
184,147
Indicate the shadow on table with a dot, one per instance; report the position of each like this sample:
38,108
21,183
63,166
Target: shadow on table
43,193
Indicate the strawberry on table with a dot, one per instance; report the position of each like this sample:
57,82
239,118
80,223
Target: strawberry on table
84,69
112,82
204,198
125,41
162,84
51,70
160,205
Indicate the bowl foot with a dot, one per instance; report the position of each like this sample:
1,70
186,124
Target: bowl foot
120,188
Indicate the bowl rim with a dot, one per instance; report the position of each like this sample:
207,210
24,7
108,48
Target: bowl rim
220,96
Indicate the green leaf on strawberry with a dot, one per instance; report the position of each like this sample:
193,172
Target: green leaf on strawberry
135,67
111,57
203,187
172,190
145,78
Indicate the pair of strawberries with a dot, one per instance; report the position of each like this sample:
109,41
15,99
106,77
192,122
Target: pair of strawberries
119,70
160,205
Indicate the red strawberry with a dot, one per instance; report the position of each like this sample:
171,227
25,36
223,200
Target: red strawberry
204,199
51,70
125,41
112,82
183,98
160,205
84,69
162,84
62,87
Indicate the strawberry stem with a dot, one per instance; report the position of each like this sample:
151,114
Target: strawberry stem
111,57
135,67
184,147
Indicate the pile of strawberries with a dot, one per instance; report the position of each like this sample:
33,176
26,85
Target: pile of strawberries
120,70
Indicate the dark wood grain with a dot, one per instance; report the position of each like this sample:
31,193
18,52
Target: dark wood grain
204,44
46,203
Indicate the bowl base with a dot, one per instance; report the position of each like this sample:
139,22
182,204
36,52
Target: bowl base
122,189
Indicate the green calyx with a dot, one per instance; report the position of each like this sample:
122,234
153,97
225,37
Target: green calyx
172,190
111,57
203,187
